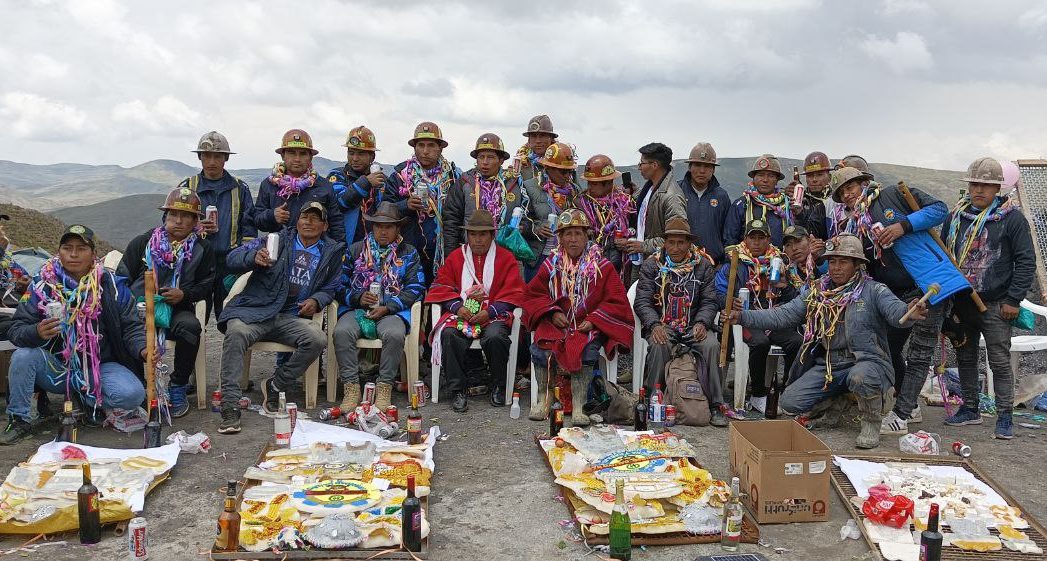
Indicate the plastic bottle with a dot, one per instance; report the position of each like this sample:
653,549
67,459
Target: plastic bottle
731,533
514,410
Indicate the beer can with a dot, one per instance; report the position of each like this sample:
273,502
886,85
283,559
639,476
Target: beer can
419,392
137,539
370,392
216,401
961,449
798,195
670,415
422,192
139,309
656,412
392,414
211,214
375,288
330,414
743,295
552,221
376,167
244,402
876,229
776,269
292,412
518,214
55,310
272,245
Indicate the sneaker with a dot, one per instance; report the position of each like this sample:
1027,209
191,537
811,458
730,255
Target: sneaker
758,403
179,403
893,424
719,418
1003,426
230,419
963,417
270,395
916,416
18,429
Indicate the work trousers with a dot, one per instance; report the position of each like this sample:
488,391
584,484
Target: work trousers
305,336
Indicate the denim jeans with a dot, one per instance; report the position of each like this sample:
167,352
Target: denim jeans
997,333
866,379
305,336
923,337
121,389
392,331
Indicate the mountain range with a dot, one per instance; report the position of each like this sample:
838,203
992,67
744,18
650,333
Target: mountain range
120,203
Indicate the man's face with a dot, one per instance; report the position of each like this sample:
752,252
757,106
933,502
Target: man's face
427,152
797,250
558,176
841,269
648,168
850,192
311,226
488,163
480,241
213,164
179,223
297,161
765,181
538,142
701,173
600,188
817,181
574,241
757,243
385,233
677,247
982,194
77,256
359,160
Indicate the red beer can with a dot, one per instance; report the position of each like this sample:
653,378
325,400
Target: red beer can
137,539
216,401
419,392
961,449
670,415
292,412
392,414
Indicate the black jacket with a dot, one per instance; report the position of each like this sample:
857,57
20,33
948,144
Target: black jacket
649,307
198,275
1002,263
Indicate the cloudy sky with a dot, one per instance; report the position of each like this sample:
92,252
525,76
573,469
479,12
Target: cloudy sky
904,81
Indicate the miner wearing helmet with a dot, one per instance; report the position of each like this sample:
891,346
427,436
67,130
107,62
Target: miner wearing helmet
540,136
292,185
707,202
607,206
809,212
357,185
550,192
183,263
763,200
233,223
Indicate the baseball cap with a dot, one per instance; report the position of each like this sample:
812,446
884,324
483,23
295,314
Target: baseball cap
79,231
317,208
794,232
757,225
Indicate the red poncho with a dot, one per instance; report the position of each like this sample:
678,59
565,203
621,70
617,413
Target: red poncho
603,303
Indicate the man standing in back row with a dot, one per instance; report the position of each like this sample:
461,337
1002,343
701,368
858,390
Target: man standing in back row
659,200
540,136
707,202
358,188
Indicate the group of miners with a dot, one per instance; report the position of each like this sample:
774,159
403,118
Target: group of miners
834,267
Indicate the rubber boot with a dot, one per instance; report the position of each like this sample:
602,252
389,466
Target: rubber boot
383,396
869,410
579,392
540,410
350,396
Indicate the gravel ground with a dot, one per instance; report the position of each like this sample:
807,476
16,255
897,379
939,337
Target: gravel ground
493,495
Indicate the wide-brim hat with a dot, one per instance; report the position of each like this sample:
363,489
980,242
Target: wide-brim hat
385,213
489,141
296,138
816,162
540,124
183,199
678,227
767,162
702,153
481,220
844,245
427,130
560,156
842,176
572,218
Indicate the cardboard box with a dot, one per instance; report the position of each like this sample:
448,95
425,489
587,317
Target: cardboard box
783,469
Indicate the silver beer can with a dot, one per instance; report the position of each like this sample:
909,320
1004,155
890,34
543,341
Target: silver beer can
272,245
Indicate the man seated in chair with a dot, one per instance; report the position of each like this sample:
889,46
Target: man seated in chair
676,303
184,268
278,304
574,306
478,286
74,285
383,278
845,314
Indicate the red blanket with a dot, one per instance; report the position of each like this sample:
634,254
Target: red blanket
606,307
507,286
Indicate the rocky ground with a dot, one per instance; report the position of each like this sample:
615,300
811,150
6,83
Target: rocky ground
493,497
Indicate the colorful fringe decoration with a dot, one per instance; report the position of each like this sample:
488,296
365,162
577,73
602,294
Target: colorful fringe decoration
571,279
290,186
825,308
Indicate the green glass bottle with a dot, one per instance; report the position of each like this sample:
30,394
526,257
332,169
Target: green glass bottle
621,528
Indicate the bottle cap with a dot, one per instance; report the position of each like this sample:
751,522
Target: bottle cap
516,394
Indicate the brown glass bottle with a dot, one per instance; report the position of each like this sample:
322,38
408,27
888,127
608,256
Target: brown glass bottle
227,537
414,422
68,433
411,519
88,511
555,414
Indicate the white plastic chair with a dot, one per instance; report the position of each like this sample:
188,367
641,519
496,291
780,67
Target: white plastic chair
514,350
639,344
1019,344
408,363
312,373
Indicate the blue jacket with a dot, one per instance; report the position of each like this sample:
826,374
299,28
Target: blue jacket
781,295
232,197
707,215
408,270
321,191
734,228
352,189
266,291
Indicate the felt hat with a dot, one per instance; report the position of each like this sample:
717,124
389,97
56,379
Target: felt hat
317,207
361,138
540,124
600,168
183,199
490,141
702,153
385,213
296,138
560,156
767,162
844,245
427,130
79,231
815,162
213,141
842,176
985,170
480,220
678,226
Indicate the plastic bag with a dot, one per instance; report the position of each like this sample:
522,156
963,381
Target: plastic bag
920,442
510,238
193,444
894,511
1025,320
850,531
368,329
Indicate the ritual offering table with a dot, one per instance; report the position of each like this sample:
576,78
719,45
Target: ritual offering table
890,498
671,499
336,493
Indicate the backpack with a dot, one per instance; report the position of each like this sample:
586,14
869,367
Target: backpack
613,402
683,390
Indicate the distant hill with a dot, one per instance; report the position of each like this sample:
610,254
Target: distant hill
32,228
118,220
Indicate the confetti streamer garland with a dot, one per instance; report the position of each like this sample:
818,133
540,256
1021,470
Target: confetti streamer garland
560,196
825,307
797,280
607,214
381,264
490,194
436,180
525,154
858,222
677,278
776,202
571,279
758,267
1000,207
82,299
290,186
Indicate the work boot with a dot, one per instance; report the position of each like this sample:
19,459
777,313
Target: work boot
460,403
579,392
383,396
18,429
350,396
230,419
540,409
717,417
869,412
178,401
271,395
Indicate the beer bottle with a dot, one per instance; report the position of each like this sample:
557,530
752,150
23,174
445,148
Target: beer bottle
414,422
620,527
88,511
227,537
555,414
411,519
152,428
731,533
68,433
640,411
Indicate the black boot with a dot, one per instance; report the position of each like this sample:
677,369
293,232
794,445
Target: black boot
460,404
